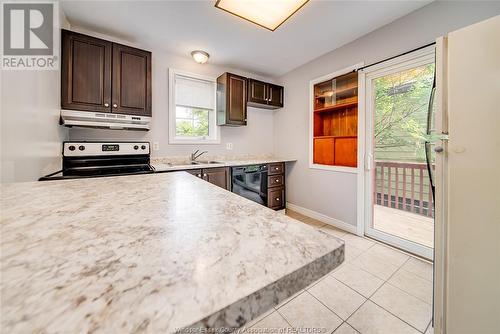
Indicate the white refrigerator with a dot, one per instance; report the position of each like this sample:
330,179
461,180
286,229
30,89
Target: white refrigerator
467,180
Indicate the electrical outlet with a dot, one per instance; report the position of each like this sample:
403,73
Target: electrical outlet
156,146
229,146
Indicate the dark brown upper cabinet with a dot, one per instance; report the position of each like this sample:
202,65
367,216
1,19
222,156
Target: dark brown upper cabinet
257,91
275,96
86,73
231,100
264,95
131,81
99,75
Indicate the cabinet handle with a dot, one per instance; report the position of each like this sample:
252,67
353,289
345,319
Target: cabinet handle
106,104
277,199
277,168
199,175
204,175
115,105
277,180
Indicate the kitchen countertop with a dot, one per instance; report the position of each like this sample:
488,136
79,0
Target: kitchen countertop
148,253
160,165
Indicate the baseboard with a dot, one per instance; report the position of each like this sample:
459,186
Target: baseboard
322,218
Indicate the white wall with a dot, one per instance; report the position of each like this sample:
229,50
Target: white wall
255,138
30,133
333,193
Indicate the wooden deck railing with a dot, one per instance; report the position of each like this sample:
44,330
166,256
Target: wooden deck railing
404,186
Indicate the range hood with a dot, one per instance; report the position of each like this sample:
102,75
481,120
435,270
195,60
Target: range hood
104,120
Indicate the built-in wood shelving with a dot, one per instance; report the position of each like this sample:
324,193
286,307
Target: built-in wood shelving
336,121
335,137
337,107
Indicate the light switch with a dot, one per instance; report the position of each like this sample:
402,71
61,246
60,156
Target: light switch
229,146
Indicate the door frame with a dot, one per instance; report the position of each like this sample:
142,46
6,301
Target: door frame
365,188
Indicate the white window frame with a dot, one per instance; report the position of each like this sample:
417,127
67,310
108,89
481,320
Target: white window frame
172,138
342,169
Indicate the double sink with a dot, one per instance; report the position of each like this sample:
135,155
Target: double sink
187,163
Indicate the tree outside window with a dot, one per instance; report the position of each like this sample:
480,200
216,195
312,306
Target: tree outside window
401,101
192,122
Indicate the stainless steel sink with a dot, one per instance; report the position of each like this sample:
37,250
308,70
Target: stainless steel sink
183,163
187,163
207,162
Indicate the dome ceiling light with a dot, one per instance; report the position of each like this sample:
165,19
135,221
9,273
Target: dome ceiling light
201,57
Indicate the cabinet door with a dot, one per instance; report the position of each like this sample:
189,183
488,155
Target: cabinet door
346,151
275,95
217,176
131,81
324,151
257,91
85,73
237,100
276,198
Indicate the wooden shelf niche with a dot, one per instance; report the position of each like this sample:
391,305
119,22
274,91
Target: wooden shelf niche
336,121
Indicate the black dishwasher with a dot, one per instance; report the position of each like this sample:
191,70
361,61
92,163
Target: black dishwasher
250,182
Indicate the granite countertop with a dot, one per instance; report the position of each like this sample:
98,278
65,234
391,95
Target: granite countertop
168,165
148,253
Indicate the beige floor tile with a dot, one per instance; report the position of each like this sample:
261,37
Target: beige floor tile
389,255
333,231
430,330
343,264
258,318
306,313
273,323
289,299
345,329
374,265
413,284
358,242
420,268
372,319
320,279
403,305
358,279
351,252
337,297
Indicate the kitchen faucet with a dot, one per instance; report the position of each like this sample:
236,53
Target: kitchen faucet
195,155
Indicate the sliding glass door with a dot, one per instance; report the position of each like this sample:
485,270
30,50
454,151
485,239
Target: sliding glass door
399,199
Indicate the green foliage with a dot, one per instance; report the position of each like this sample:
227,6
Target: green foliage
401,101
194,123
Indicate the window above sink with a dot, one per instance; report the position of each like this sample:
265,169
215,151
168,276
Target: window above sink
192,116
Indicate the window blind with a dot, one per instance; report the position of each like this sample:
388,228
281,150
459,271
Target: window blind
191,92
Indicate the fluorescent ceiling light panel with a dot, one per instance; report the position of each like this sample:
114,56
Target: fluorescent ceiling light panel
269,14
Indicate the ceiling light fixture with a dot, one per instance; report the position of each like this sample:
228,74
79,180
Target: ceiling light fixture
201,57
269,14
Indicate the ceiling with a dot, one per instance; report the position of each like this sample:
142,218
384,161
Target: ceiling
179,27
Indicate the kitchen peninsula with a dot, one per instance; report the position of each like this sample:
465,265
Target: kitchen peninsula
148,253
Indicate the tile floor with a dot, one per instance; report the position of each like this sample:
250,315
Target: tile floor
376,290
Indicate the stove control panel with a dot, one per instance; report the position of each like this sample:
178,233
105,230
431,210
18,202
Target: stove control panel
75,149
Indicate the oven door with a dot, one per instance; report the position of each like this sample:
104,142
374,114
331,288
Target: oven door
250,182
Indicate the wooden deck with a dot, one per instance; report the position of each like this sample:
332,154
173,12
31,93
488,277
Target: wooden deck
404,224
